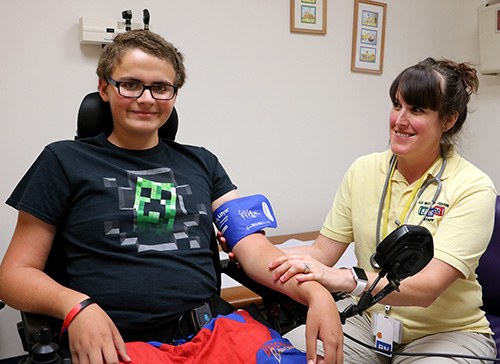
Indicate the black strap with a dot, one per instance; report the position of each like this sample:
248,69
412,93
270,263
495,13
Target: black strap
220,306
185,325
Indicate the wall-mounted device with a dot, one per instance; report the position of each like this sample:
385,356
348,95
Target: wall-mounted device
102,31
488,19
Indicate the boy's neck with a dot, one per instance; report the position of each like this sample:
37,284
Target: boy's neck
134,142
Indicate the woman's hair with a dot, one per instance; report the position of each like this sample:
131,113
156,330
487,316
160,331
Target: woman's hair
444,86
146,41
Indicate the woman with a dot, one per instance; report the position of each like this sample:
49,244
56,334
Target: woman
439,306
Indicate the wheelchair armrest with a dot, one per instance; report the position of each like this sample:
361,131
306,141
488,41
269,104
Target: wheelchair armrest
240,296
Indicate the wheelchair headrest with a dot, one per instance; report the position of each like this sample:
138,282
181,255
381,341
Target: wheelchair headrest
94,117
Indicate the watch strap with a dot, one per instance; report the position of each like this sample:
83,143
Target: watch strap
360,283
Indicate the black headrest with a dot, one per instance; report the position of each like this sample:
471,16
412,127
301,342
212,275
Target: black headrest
94,117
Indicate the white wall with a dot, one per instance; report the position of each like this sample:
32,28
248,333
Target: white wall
283,111
480,143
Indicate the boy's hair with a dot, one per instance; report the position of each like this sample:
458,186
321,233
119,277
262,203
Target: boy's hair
146,41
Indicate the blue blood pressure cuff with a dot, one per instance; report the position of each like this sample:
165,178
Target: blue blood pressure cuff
243,216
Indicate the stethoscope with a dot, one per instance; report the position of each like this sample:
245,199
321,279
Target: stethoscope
421,190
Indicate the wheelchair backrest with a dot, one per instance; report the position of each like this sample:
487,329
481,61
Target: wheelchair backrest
94,117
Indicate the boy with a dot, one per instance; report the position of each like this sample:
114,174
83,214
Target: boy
134,215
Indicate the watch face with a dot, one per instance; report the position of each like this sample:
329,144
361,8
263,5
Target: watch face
360,273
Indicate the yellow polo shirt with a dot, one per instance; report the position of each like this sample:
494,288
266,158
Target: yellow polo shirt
461,227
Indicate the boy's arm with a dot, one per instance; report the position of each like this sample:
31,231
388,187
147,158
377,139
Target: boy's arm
254,252
25,286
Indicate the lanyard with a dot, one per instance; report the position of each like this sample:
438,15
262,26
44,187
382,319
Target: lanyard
410,204
410,199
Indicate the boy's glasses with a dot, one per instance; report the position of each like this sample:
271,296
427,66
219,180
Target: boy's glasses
134,89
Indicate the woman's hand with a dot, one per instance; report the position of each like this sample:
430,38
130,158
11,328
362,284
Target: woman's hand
305,268
94,338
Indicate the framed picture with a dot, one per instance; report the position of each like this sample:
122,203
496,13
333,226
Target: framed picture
368,36
308,16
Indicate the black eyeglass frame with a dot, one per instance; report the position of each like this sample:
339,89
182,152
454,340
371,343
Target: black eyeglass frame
144,87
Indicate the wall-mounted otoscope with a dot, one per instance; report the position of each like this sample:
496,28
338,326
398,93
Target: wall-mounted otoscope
145,18
127,16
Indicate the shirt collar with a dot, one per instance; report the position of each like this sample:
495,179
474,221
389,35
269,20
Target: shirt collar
451,164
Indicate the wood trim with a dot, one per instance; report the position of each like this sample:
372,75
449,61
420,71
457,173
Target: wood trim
306,236
240,297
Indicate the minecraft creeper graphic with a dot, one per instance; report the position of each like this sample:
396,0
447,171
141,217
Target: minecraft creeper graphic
147,192
159,219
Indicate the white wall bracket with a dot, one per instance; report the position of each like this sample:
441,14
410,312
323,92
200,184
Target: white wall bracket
102,31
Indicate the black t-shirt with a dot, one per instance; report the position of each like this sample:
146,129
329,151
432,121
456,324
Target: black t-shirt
135,225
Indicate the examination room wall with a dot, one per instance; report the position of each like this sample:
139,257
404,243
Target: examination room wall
282,110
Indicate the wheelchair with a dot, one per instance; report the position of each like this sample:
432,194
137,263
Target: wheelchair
39,333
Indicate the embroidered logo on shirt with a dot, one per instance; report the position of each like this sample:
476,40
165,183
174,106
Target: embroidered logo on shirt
437,210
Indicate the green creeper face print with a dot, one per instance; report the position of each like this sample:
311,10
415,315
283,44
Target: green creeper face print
155,205
157,218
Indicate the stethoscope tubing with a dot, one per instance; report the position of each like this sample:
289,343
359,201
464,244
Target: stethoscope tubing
382,198
421,190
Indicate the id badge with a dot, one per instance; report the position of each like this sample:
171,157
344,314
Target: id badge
387,330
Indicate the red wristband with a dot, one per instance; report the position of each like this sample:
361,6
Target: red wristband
72,314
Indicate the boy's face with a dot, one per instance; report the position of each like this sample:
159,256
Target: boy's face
138,118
